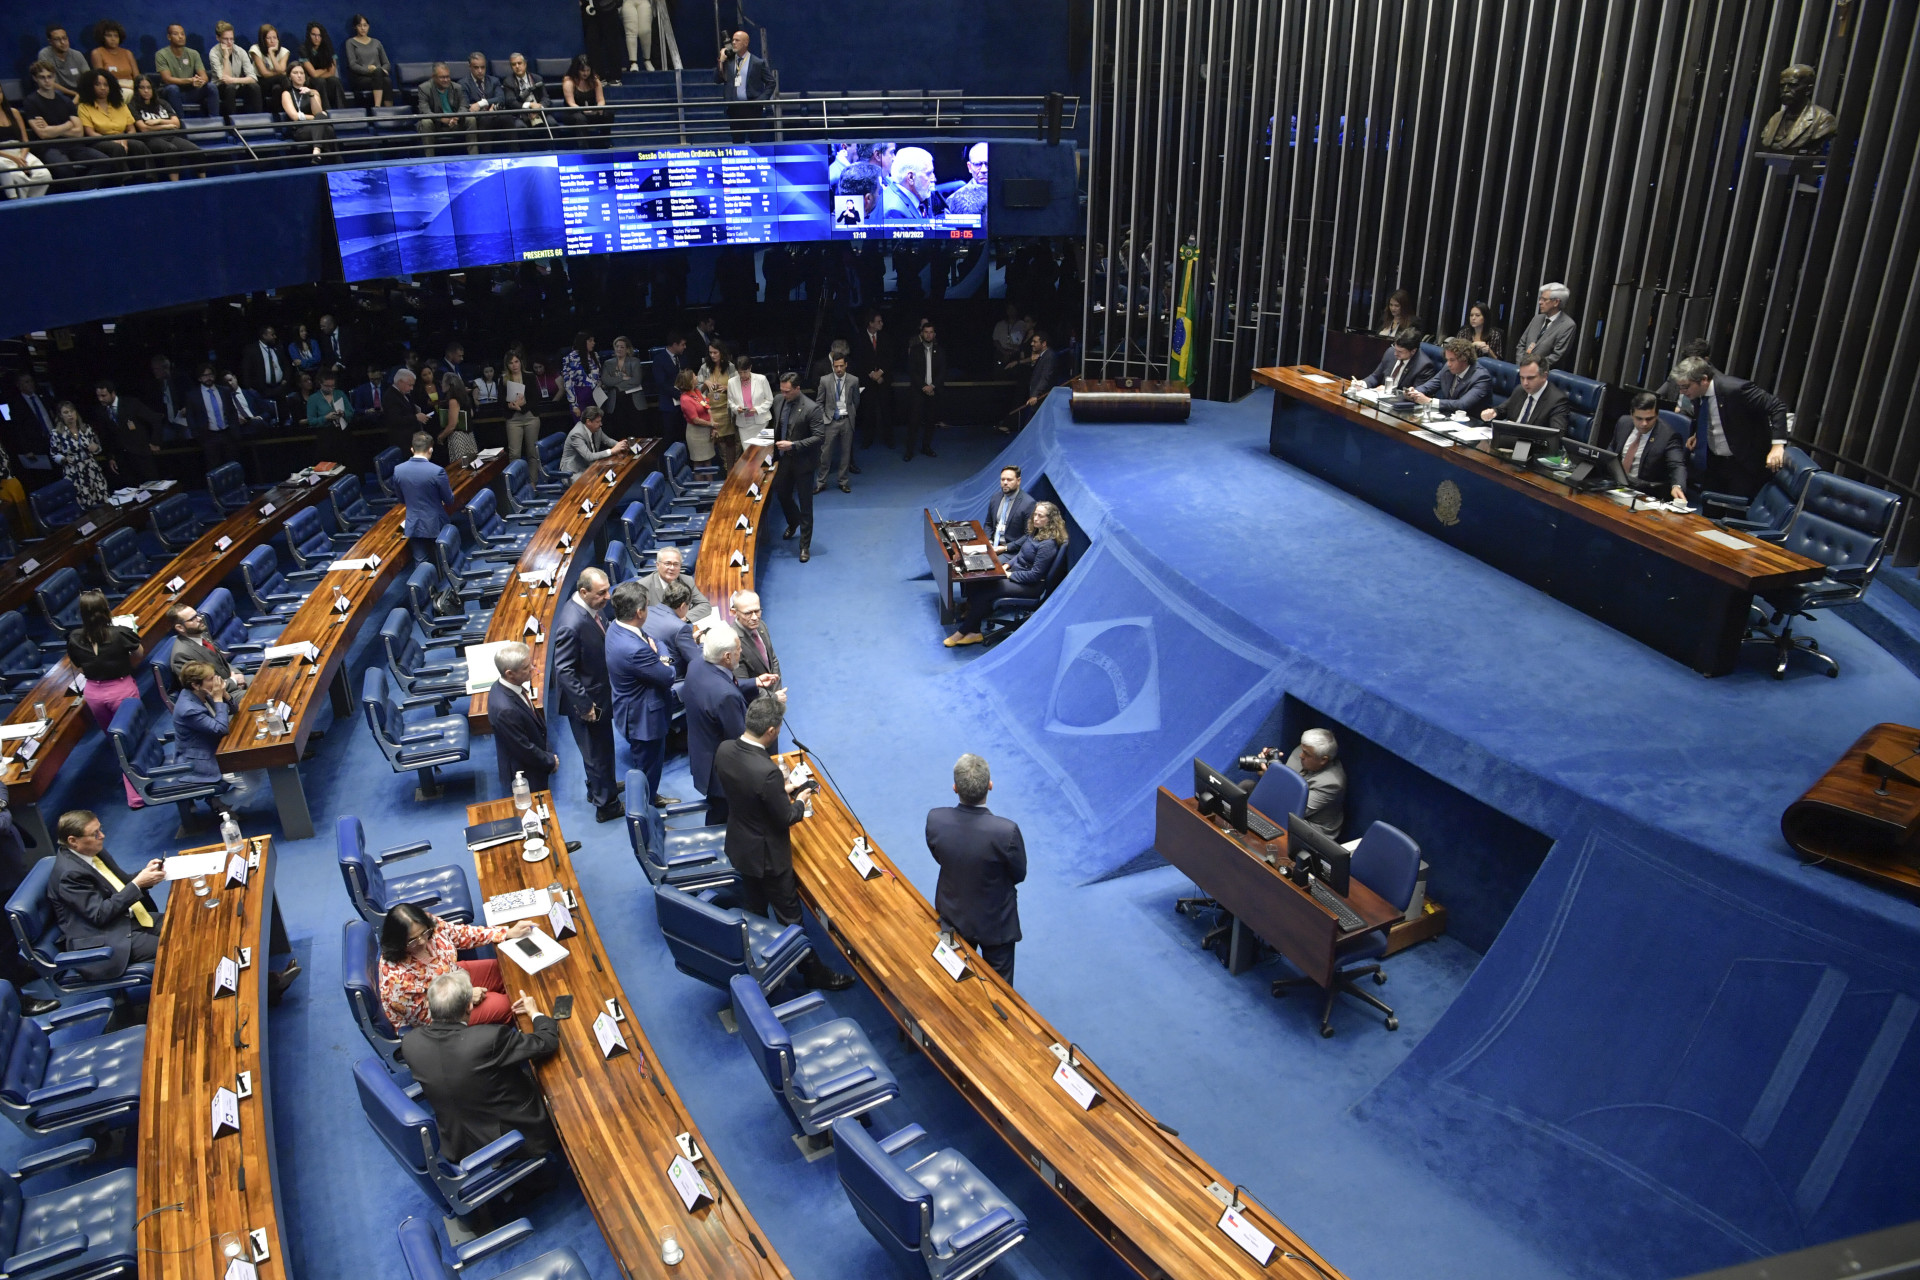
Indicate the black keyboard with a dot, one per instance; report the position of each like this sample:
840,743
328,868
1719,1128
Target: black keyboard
1258,824
1349,920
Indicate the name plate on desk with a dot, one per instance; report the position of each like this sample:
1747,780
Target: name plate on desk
612,476
28,567
1247,1236
176,584
237,871
862,860
561,919
586,506
740,522
226,978
1076,1086
607,1032
736,561
226,1112
753,491
142,496
566,539
221,544
267,510
950,960
342,603
88,528
688,1182
241,1269
533,626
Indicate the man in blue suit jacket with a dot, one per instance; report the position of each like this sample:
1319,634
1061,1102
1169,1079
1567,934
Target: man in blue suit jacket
423,486
583,694
667,623
716,711
1404,366
982,862
666,368
1463,385
641,681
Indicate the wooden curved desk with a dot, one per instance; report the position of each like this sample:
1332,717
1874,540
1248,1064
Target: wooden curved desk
69,546
716,575
1138,1186
203,565
618,1117
298,684
1864,813
544,551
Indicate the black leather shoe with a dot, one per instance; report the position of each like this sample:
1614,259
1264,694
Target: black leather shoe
825,979
906,457
791,530
573,846
845,487
930,453
661,802
34,1008
819,488
806,552
608,812
854,467
280,980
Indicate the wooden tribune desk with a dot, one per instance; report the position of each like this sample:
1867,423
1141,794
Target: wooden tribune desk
618,1118
1864,813
520,602
69,546
716,575
1648,574
943,560
1232,870
203,565
1136,1184
220,1185
298,684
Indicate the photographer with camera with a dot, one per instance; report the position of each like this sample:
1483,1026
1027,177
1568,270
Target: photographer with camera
1315,760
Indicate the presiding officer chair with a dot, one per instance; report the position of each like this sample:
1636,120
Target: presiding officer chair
939,1208
1844,525
420,1248
826,1072
1387,862
1767,513
82,1231
413,1136
374,892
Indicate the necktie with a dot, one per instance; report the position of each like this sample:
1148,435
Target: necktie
376,398
1633,451
761,646
141,916
1526,414
40,411
602,622
1716,434
273,364
840,396
740,79
216,418
1399,368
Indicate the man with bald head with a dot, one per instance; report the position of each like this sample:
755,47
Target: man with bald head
972,198
583,693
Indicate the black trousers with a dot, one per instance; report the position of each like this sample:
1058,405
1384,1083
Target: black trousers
595,740
1735,474
874,417
144,946
999,956
138,465
773,893
743,114
926,412
979,598
793,485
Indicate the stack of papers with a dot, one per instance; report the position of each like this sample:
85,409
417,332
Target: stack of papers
488,455
185,865
1731,542
521,904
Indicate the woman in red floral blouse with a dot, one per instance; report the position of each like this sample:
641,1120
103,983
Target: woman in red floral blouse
416,947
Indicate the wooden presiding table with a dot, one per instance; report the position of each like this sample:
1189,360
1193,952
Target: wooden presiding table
1864,813
618,1118
944,559
69,546
194,1188
544,551
298,684
1138,1186
743,493
1648,573
203,565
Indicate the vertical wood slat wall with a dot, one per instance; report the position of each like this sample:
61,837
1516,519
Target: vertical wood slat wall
1320,154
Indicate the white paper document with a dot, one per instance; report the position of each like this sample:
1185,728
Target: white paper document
183,866
1325,382
481,673
305,649
1731,542
532,953
347,566
521,904
32,729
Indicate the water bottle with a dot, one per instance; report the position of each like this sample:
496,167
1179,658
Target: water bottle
231,837
522,794
276,723
40,711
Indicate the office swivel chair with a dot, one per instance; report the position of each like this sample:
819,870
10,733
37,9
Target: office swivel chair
1279,792
1844,525
1387,862
65,1073
823,1072
44,948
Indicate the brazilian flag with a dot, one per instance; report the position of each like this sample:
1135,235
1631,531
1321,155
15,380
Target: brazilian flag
1181,349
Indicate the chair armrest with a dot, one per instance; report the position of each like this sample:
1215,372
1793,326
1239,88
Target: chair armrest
63,1249
494,1152
1849,573
440,702
268,619
422,673
799,1004
54,1157
169,770
842,1083
305,575
22,677
401,851
894,1143
499,1238
78,1087
684,807
978,1231
785,937
51,646
418,737
86,955
1726,502
247,646
77,1012
694,859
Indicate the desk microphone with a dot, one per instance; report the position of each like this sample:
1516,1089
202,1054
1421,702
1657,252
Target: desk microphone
238,1027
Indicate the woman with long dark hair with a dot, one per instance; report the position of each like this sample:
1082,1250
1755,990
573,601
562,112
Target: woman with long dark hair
1398,315
323,68
1028,563
1488,342
301,105
456,422
107,123
271,61
107,655
587,93
523,426
367,62
714,374
580,373
159,127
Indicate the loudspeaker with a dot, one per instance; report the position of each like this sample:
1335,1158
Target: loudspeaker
1025,193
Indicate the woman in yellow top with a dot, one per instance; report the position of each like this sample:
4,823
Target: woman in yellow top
111,56
106,122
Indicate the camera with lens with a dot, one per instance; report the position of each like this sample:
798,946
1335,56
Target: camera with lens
1258,761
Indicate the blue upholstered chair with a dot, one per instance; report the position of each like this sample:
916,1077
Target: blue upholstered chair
37,930
351,507
413,664
693,859
228,631
309,542
1767,513
413,1136
552,481
488,530
1279,792
227,485
64,1071
174,522
410,740
939,1209
360,979
1387,861
141,741
423,582
1583,395
420,1248
669,515
524,504
375,891
642,535
274,595
1844,525
716,944
55,505
1009,612
474,575
689,489
82,1231
828,1071
616,562
122,564
1505,375
58,596
383,464
22,661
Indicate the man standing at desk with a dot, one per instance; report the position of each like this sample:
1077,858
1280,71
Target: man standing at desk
423,486
642,684
1315,759
799,424
1549,336
1009,511
97,904
1739,432
585,694
1462,386
1534,401
982,862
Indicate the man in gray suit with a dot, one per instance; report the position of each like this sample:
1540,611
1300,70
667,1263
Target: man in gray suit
798,424
1315,759
668,568
1549,336
587,443
839,399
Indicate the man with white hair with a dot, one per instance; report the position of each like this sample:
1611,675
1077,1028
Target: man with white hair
668,566
757,657
716,711
972,198
1316,760
475,1077
519,728
1549,336
911,196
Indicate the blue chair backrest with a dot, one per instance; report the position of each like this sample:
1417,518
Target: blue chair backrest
261,572
136,739
635,525
161,660
24,1047
223,621
889,1198
483,516
362,874
1505,374
174,521
550,447
677,465
659,498
1583,395
383,464
360,979
1435,354
1774,505
447,546
1279,792
422,582
59,599
715,934
619,566
349,502
407,1127
307,538
382,716
519,482
55,504
18,653
227,483
1841,521
31,914
420,1250
1387,861
764,1035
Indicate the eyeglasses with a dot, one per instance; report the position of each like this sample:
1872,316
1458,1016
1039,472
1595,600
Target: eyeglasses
419,939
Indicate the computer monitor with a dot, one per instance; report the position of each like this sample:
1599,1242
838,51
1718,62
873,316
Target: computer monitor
1318,854
1523,443
1595,468
1214,793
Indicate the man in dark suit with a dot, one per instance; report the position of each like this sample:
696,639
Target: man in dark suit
1650,452
838,396
369,399
666,368
475,1077
1535,401
641,681
748,82
716,711
669,565
867,360
585,697
1404,366
263,367
757,657
520,740
799,427
97,904
167,391
927,375
428,495
982,862
193,642
27,432
1739,430
129,430
764,804
667,623
1011,508
216,414
335,347
1462,386
402,416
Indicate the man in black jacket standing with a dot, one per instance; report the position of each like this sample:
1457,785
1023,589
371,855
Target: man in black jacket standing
748,82
475,1077
799,428
585,695
982,862
519,728
927,375
763,803
1739,430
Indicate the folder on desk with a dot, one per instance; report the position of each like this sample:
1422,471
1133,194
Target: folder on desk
485,835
